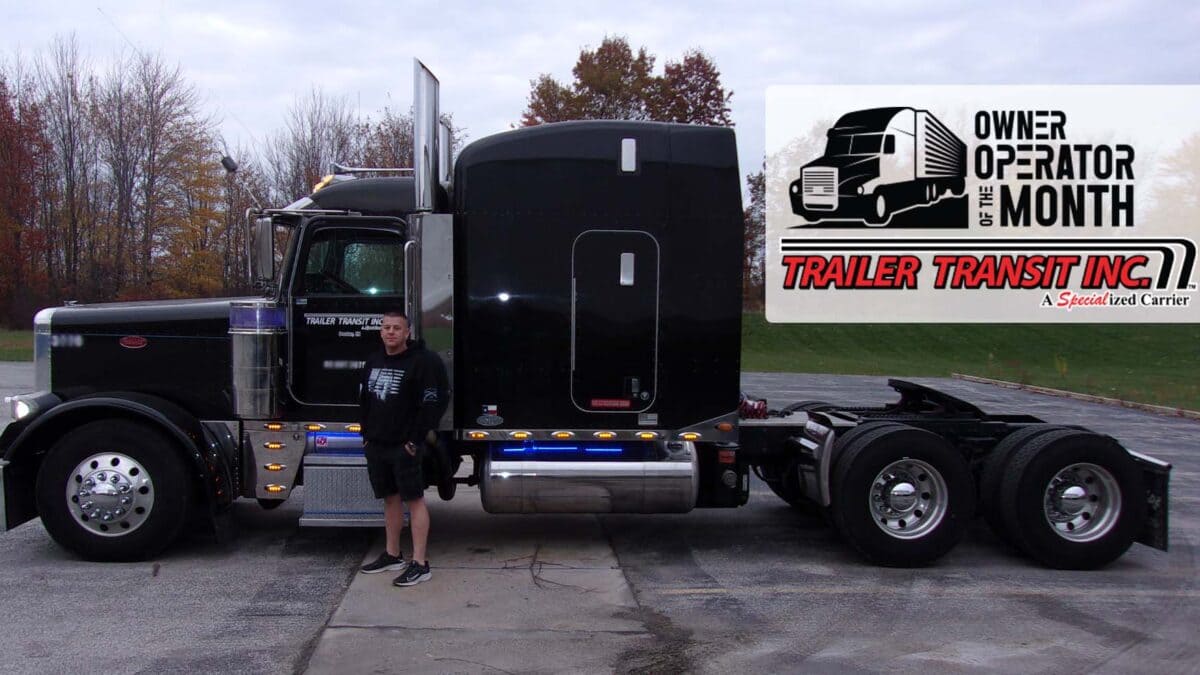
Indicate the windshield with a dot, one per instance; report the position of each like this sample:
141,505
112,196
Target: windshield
854,144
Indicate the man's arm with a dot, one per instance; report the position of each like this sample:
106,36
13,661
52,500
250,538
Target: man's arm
432,396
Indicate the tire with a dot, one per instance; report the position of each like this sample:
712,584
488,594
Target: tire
1073,500
879,210
135,462
784,481
902,497
994,469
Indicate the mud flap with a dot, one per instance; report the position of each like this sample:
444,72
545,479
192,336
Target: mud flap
1156,475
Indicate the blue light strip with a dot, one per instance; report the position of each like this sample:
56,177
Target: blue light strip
536,449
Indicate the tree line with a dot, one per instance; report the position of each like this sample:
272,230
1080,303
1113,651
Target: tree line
111,186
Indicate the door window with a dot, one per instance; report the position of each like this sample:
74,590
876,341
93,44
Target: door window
354,262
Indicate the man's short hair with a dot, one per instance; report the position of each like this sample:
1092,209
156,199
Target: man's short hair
396,313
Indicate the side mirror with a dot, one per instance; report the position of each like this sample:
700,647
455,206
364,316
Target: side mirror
260,249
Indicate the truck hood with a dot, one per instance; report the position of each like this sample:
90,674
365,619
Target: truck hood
853,170
154,317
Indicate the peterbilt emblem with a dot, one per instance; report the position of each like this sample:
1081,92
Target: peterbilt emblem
132,342
489,420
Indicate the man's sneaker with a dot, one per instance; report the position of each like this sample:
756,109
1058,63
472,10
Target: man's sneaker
384,563
413,575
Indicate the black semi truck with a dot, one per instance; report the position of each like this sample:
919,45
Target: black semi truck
582,283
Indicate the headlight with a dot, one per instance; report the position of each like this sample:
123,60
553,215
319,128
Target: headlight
24,405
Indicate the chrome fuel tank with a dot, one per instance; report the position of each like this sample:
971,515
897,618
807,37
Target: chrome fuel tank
665,480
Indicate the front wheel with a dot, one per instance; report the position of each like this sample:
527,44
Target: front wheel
113,490
879,210
903,497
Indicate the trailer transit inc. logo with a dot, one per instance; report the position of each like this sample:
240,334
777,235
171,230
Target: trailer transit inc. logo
982,204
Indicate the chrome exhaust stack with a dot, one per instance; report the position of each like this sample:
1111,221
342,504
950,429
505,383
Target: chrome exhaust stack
427,154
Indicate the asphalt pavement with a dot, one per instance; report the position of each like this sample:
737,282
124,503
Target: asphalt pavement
756,589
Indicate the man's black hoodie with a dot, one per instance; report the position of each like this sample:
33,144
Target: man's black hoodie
402,396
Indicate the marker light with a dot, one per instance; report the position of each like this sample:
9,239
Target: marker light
314,427
689,436
504,297
355,428
725,426
21,409
605,435
273,426
324,181
477,435
519,435
647,435
563,435
275,488
274,445
274,466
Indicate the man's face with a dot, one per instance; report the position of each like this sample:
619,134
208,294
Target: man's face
394,332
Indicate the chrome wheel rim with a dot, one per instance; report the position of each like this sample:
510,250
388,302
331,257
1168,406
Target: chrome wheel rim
110,494
908,499
1081,502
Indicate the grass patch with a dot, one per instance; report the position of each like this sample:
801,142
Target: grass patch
16,345
1156,364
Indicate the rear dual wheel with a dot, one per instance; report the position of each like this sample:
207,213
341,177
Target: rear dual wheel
1072,499
901,496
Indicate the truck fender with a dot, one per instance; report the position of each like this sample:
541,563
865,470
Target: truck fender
198,446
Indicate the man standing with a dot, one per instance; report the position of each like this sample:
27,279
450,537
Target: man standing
402,397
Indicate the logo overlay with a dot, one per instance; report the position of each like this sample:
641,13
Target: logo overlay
982,204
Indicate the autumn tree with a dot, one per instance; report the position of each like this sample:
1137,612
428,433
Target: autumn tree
614,82
23,151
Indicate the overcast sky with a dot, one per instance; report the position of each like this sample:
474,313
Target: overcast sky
251,59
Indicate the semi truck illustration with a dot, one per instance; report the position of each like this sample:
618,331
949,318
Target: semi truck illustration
877,162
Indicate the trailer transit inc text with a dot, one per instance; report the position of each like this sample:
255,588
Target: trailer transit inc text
1020,271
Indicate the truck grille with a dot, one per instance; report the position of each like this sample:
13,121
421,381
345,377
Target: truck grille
820,188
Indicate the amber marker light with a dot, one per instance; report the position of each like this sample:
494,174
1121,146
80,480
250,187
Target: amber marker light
689,436
314,427
605,435
354,428
324,182
477,435
273,445
725,427
563,435
275,488
519,435
273,426
647,435
274,466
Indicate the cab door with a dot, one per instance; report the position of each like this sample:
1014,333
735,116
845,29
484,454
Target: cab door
347,274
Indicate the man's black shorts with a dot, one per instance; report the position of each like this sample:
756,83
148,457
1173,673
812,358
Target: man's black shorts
393,471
